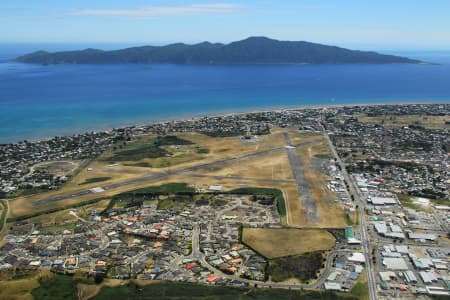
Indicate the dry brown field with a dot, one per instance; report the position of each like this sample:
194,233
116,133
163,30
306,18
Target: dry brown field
432,122
273,243
331,214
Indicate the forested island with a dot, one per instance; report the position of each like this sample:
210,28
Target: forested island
253,50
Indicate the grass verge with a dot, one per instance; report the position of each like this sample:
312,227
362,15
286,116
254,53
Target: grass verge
361,289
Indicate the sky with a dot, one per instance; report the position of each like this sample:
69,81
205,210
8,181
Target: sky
362,24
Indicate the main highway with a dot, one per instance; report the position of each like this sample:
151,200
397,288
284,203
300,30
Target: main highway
363,226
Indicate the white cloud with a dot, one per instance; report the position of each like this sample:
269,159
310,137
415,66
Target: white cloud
160,11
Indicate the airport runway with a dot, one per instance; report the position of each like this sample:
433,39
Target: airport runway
303,189
156,176
160,175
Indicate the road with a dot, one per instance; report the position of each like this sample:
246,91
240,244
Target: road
6,213
305,196
196,243
363,226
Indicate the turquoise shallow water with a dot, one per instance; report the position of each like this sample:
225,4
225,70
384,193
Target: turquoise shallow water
43,101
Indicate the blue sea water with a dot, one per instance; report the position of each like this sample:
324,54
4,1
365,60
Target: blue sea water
43,101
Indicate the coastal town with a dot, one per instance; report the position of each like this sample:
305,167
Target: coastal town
380,173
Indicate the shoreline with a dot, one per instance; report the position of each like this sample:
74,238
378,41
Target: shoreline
227,114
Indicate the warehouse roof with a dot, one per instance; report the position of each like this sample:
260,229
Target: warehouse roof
395,263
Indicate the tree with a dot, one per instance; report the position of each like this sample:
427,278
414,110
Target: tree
98,278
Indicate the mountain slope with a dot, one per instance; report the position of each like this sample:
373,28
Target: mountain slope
251,50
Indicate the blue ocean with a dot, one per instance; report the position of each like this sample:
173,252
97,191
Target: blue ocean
43,101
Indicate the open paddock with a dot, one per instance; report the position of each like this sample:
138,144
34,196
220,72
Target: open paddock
274,242
431,122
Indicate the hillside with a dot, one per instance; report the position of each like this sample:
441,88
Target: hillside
253,50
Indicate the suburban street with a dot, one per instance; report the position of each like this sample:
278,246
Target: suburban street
197,254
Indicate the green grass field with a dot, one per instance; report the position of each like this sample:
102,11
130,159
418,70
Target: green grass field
61,287
136,197
172,291
303,267
95,179
58,287
145,148
408,201
169,188
360,290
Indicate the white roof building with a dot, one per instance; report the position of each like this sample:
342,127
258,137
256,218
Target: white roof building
437,290
387,276
410,277
332,286
428,277
395,263
215,188
357,257
395,235
395,228
422,236
380,227
382,201
97,190
442,207
402,249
